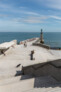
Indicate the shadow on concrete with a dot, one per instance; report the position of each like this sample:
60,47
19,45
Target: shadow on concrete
42,74
18,73
24,77
46,82
42,82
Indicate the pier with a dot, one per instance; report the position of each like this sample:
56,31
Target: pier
19,73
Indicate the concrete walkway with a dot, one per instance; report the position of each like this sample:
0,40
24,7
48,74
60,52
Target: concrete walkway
9,82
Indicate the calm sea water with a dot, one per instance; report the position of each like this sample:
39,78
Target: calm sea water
51,38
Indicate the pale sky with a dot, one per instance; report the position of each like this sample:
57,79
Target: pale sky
30,15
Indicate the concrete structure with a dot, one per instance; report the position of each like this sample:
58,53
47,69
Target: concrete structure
6,45
41,45
30,84
51,68
12,78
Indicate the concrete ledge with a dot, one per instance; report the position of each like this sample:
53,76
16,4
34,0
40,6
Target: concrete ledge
41,45
6,45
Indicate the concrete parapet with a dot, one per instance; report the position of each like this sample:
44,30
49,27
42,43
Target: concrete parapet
6,45
42,45
28,40
15,42
51,68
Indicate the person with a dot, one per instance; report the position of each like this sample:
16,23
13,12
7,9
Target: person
25,44
2,52
31,55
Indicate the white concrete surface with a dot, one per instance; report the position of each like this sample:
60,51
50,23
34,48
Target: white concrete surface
21,55
6,45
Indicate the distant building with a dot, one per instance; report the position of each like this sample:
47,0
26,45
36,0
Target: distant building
41,37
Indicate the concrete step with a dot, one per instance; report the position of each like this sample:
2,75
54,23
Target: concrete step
18,86
29,84
56,89
37,90
14,79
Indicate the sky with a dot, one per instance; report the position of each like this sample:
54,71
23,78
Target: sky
30,15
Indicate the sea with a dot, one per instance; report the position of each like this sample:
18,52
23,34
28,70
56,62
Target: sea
53,39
